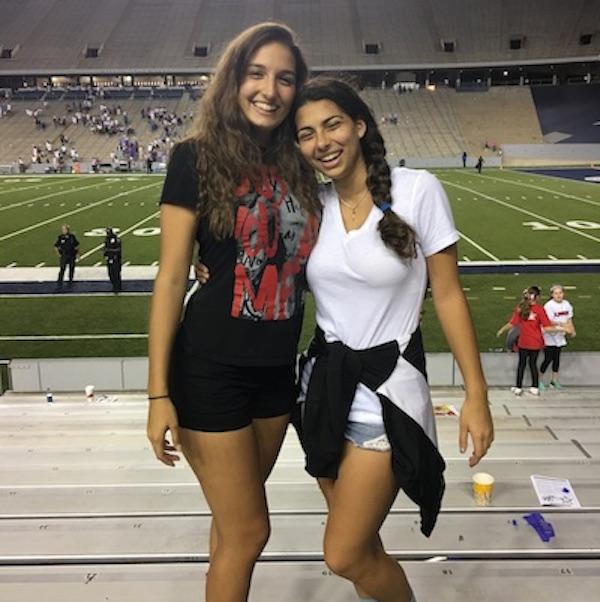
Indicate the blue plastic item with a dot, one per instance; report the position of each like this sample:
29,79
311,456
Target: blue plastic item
544,529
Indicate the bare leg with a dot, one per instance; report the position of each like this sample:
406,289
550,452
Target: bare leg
228,469
269,433
326,486
359,502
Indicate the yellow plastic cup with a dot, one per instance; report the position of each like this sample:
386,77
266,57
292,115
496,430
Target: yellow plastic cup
483,485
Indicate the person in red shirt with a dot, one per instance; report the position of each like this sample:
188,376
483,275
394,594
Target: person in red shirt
532,320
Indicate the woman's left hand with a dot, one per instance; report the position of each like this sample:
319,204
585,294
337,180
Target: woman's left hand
476,421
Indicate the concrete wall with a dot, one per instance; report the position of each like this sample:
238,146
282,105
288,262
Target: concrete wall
130,374
550,154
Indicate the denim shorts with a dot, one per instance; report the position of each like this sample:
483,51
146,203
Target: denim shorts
368,436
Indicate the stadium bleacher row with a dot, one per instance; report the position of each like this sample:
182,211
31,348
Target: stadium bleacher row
442,123
129,34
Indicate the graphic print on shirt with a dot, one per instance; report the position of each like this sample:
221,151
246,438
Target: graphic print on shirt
274,239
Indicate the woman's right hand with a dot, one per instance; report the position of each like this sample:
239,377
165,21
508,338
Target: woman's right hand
162,417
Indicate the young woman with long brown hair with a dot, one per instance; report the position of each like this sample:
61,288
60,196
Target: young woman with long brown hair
222,381
367,424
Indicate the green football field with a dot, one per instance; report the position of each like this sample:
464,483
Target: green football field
501,215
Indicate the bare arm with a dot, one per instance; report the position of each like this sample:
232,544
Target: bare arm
453,313
504,329
178,226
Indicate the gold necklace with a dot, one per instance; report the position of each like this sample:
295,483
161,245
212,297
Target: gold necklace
353,208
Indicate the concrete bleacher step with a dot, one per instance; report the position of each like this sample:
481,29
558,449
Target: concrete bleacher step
92,500
450,581
137,440
295,536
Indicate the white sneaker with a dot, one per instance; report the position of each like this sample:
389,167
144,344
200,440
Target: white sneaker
534,391
516,390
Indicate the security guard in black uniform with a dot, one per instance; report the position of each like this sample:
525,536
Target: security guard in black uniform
67,248
112,253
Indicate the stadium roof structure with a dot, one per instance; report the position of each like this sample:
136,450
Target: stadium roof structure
69,37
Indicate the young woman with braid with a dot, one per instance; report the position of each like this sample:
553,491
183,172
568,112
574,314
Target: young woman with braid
223,381
366,421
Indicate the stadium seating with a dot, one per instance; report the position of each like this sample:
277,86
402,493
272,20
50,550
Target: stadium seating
132,34
569,113
435,124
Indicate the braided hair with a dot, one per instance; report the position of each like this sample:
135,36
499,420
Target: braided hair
394,231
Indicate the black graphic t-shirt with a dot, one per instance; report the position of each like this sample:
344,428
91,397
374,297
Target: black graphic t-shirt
250,312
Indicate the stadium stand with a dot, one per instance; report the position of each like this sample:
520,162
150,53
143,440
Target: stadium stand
441,123
131,35
569,113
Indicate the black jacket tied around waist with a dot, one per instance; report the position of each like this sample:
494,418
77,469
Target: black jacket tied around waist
337,370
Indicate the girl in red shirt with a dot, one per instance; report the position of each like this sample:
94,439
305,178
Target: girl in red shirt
531,320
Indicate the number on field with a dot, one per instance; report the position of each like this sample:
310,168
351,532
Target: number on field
583,224
147,232
99,232
540,226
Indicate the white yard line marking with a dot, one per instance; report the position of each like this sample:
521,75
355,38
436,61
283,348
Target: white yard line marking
584,296
466,288
126,264
72,337
525,211
74,295
97,264
12,265
46,184
570,287
68,213
523,258
101,246
582,257
498,288
466,258
477,246
154,263
553,258
41,264
47,196
550,191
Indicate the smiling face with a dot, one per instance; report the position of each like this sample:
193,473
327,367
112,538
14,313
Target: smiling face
268,87
558,293
329,139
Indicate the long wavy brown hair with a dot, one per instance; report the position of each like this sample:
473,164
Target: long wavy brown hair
394,231
227,151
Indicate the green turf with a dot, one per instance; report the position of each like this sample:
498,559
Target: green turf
122,315
494,213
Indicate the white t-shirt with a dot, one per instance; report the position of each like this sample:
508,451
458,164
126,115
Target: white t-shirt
365,294
561,313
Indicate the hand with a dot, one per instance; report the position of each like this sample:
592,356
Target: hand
162,418
476,420
202,273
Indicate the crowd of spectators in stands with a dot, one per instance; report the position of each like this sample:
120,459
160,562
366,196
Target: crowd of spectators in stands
55,157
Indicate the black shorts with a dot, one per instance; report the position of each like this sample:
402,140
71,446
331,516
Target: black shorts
215,397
